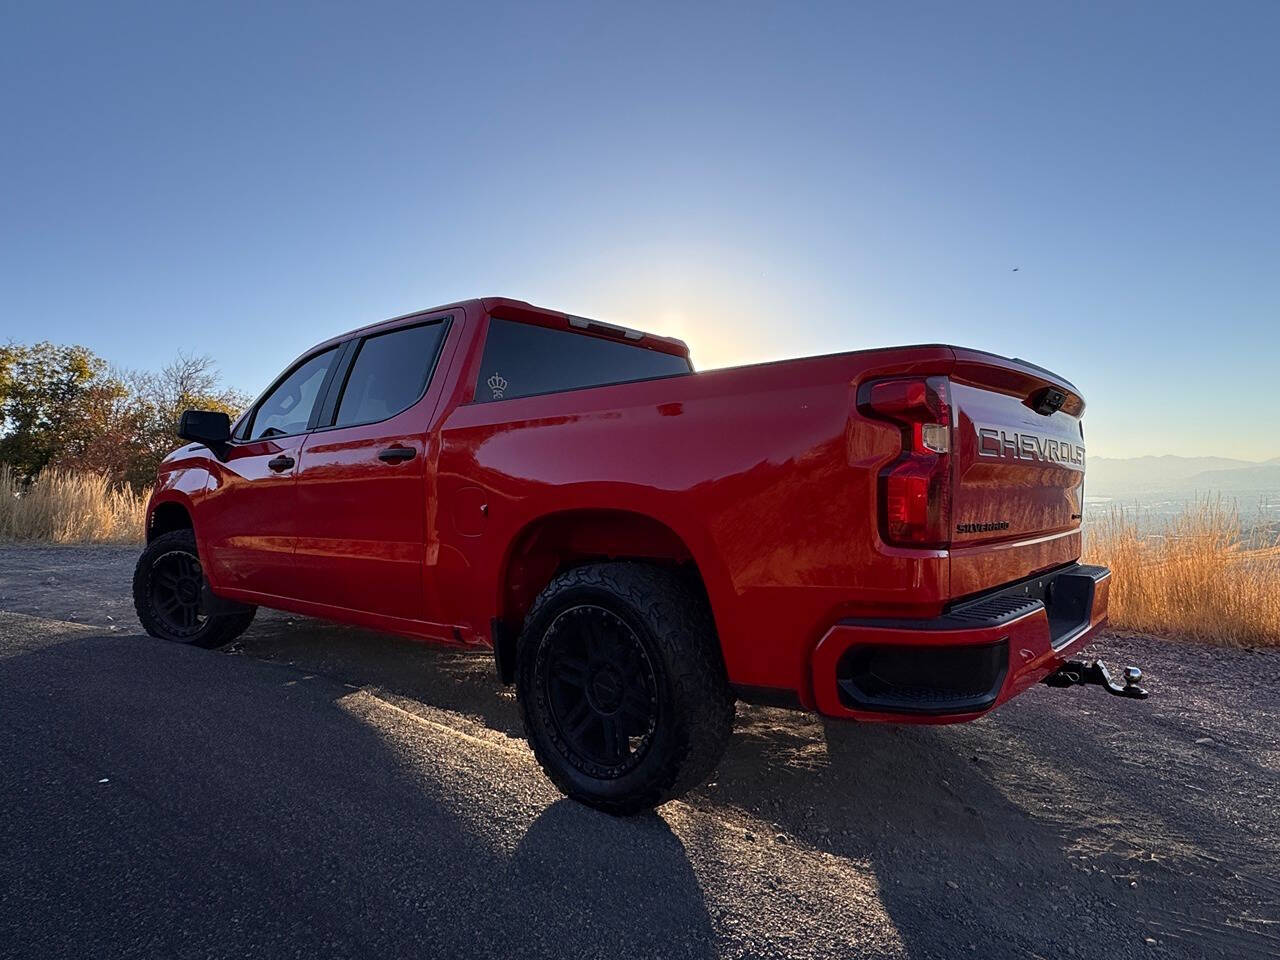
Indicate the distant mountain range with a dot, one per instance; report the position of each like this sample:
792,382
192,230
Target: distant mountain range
1112,476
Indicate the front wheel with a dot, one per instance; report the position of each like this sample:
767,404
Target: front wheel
622,687
168,587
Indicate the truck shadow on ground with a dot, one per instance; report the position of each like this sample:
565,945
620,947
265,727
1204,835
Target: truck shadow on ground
959,865
961,869
178,803
1067,820
580,883
1028,850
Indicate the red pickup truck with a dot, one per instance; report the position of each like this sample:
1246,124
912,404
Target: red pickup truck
885,535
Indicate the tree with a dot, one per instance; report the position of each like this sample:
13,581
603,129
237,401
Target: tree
188,383
42,388
61,407
105,440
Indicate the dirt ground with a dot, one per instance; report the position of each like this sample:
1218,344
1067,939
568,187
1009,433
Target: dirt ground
1067,823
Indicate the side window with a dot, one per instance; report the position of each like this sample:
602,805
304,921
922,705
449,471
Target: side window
389,374
286,409
521,359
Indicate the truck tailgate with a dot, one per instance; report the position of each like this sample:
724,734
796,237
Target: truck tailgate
1018,471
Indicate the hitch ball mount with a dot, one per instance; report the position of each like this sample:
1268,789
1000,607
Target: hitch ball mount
1078,672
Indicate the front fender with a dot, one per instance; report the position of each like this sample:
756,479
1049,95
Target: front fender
182,481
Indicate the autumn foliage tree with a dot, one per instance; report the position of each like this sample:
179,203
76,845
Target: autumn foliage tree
63,407
42,389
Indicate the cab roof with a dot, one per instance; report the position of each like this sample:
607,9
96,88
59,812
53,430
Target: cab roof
523,311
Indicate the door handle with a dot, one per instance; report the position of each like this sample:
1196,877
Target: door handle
280,463
396,454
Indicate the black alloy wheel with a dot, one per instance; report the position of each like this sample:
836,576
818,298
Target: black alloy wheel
601,689
170,598
176,583
621,684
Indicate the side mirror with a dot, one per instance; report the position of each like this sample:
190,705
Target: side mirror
210,427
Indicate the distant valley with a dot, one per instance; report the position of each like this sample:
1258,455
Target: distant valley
1179,477
1153,490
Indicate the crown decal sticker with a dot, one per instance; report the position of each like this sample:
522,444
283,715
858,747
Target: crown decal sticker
497,384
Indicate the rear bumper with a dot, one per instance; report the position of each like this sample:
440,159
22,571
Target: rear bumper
976,656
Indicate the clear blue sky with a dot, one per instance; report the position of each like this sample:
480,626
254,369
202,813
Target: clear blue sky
764,181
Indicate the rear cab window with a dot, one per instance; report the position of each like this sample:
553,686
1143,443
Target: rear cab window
524,360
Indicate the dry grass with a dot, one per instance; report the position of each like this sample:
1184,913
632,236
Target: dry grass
1198,577
62,507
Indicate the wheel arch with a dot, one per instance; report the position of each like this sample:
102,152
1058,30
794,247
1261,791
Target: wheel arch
561,540
167,514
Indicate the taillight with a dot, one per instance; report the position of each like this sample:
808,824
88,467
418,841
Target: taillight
915,490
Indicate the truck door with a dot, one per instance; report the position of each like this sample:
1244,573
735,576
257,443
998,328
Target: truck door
362,491
246,521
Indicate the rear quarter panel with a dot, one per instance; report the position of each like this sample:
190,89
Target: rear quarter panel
757,469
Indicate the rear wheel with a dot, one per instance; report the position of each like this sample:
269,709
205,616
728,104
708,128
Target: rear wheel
168,588
622,687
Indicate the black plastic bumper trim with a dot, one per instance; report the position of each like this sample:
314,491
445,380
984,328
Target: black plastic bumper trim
1066,594
964,678
932,680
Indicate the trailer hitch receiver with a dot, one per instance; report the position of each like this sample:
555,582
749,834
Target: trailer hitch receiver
1078,672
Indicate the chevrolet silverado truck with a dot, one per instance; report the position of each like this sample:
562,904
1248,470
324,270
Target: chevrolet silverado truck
886,535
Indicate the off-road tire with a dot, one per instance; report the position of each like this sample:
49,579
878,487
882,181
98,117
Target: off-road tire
179,548
688,690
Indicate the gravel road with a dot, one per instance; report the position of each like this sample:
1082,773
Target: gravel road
315,789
